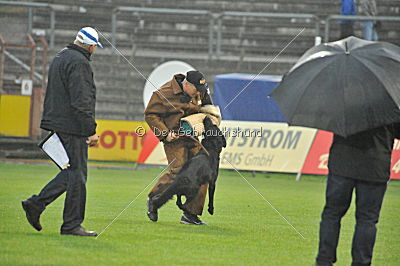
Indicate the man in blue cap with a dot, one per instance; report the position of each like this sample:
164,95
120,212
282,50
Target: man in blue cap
69,111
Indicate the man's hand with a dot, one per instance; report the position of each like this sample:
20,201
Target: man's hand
171,136
92,140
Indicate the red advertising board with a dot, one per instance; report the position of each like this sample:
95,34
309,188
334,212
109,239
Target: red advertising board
315,163
317,159
150,142
395,165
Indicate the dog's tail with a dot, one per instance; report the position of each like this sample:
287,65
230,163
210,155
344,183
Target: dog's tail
162,198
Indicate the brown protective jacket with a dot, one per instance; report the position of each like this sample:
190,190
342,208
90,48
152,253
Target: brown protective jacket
168,105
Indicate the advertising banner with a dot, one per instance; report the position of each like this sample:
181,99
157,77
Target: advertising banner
274,147
119,140
395,165
15,115
317,159
259,146
256,146
157,156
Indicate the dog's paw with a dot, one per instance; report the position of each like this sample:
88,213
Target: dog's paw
211,210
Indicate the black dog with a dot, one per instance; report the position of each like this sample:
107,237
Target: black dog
199,170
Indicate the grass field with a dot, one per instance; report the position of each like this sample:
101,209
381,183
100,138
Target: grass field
245,230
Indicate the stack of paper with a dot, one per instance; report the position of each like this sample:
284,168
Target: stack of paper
53,147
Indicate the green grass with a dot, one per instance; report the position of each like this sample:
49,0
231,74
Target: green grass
245,230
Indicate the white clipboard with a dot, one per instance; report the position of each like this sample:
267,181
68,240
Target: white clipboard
53,147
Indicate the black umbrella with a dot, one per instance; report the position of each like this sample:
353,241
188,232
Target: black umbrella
346,87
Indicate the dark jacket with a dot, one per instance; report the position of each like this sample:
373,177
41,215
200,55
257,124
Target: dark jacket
169,104
364,155
69,105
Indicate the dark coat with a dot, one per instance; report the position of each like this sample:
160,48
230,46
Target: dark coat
69,105
365,156
169,104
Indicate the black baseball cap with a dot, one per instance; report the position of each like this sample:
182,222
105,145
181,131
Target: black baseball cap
197,79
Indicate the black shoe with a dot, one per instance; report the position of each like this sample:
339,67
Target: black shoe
151,211
317,263
32,214
188,218
79,231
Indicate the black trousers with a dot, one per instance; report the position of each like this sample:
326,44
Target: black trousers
346,30
369,197
71,180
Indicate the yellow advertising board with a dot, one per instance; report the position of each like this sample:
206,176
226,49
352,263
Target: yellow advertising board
15,115
119,140
258,146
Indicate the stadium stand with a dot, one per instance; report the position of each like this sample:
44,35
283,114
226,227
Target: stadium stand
146,40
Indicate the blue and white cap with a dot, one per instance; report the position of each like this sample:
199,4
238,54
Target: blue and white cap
88,35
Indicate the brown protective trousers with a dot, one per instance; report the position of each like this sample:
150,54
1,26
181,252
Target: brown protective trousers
178,153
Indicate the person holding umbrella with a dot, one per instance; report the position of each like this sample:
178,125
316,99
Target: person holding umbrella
352,88
359,162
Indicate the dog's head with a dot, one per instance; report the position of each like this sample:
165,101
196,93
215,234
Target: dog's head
213,136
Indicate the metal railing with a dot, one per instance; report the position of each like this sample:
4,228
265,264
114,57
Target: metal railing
30,6
37,92
161,11
29,68
211,16
225,14
2,60
357,18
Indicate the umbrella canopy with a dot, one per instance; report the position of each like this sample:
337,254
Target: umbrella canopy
347,86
